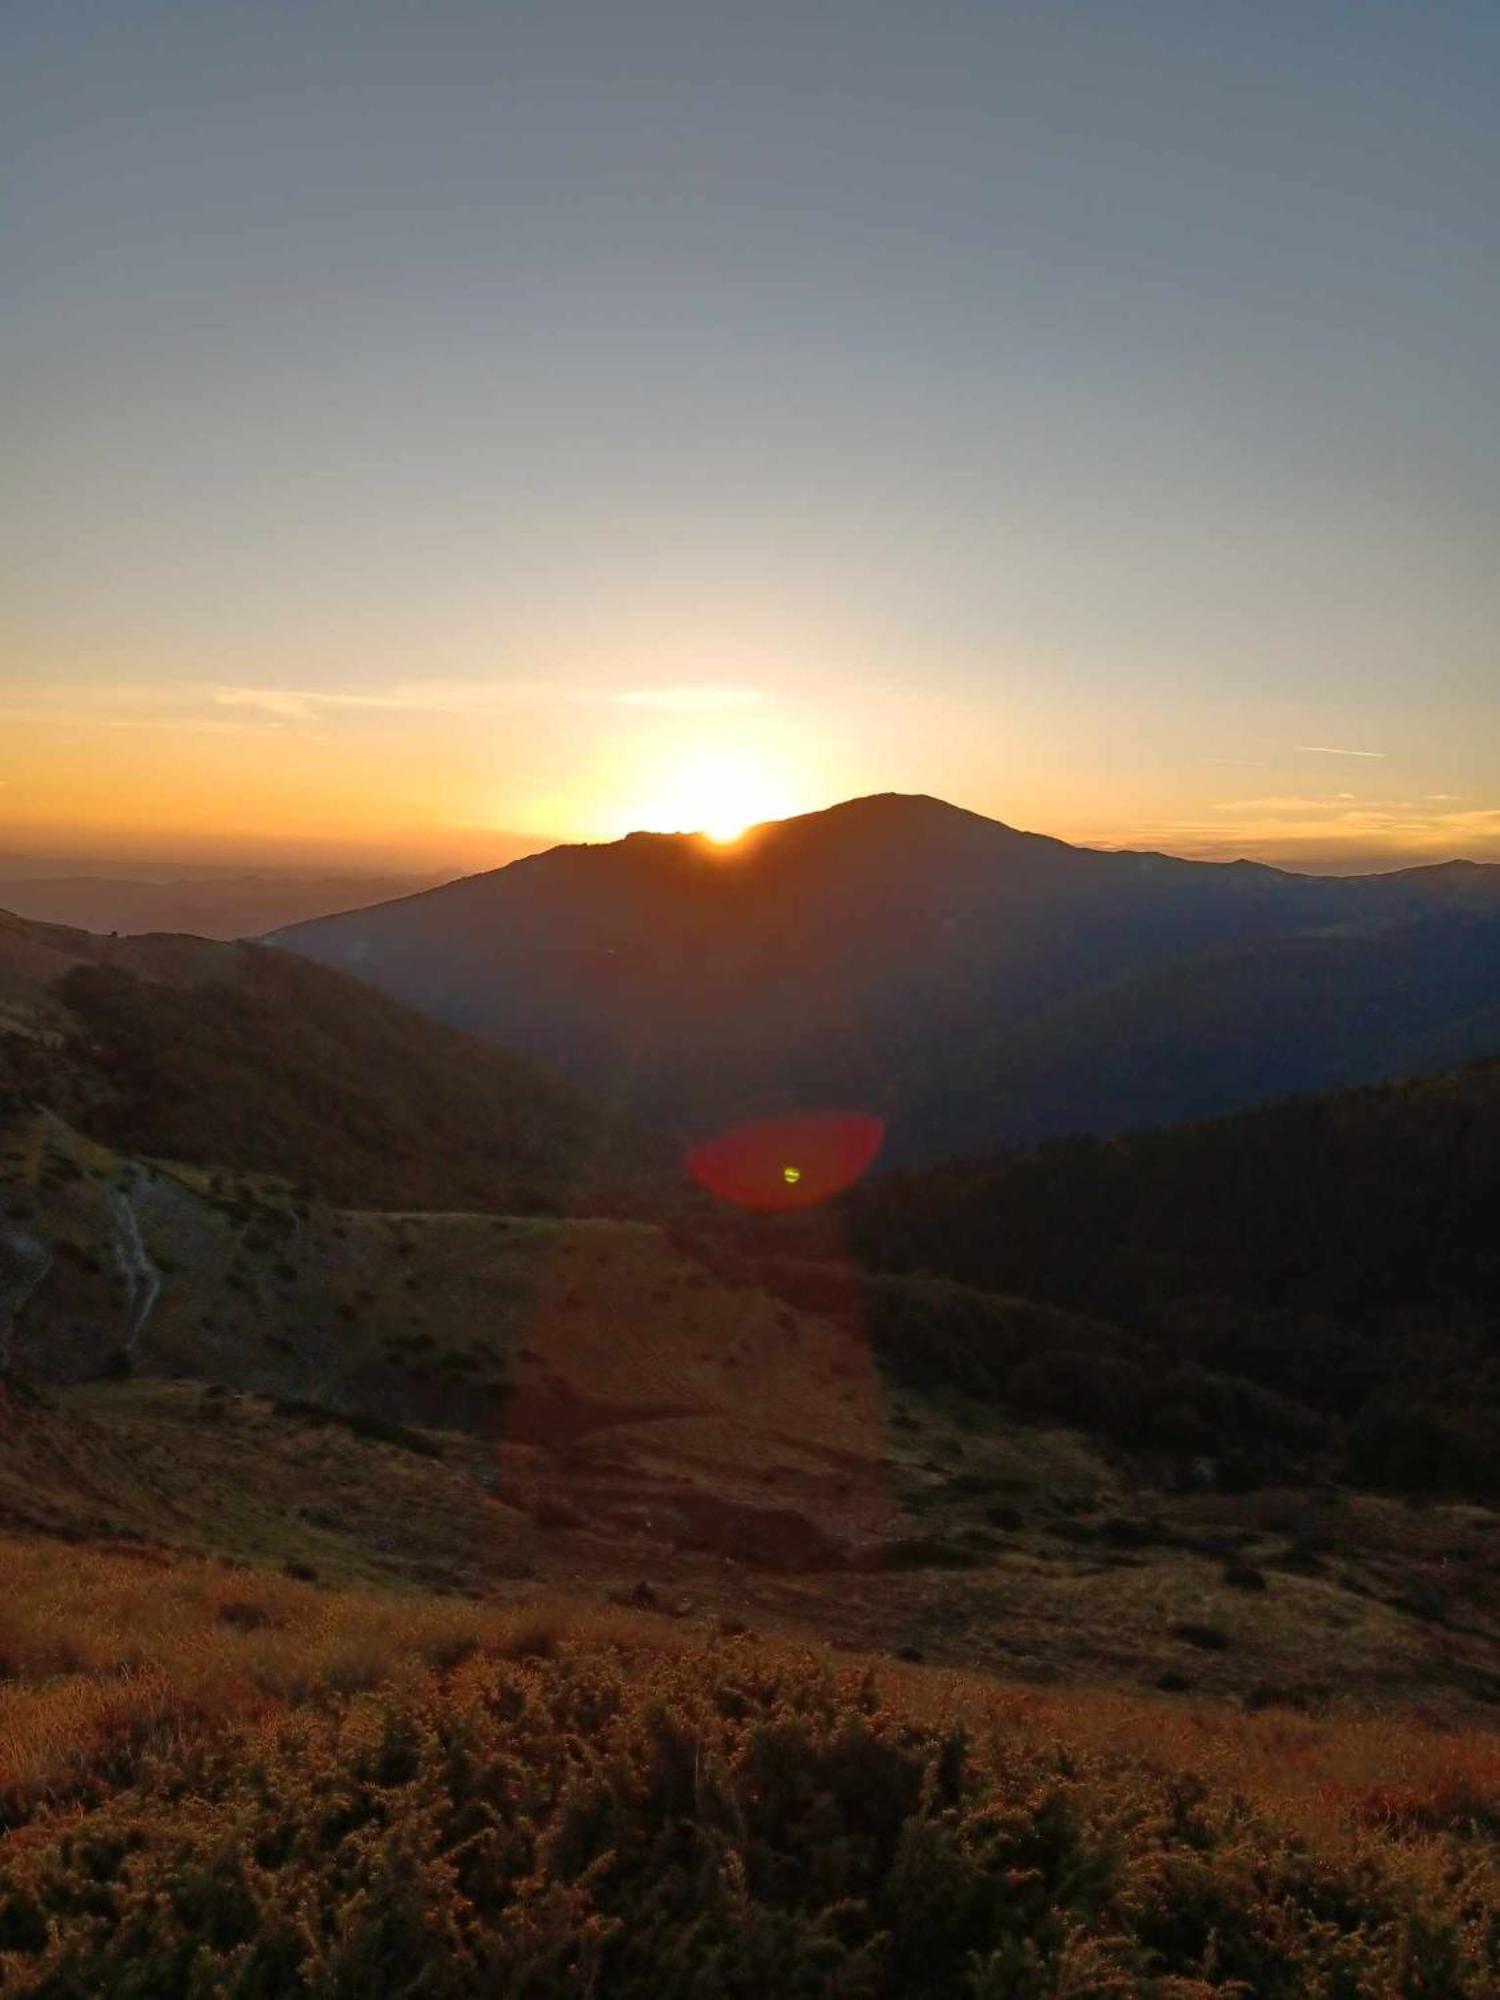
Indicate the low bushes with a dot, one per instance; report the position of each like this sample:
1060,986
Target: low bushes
219,1781
728,1825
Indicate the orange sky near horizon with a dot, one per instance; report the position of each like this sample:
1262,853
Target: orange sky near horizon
443,775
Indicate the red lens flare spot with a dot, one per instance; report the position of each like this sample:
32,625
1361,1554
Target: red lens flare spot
796,1161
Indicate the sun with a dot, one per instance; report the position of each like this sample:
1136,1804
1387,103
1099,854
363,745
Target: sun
718,793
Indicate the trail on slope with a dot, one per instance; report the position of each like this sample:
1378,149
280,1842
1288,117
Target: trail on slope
141,1278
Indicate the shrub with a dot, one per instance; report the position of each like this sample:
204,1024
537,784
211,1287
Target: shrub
1244,1576
726,1824
1207,1638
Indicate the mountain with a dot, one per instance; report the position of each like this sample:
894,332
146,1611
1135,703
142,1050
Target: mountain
967,982
234,1055
213,904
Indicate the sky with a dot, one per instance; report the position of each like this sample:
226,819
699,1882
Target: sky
439,428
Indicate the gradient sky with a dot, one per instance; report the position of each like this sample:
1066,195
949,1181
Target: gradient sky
428,423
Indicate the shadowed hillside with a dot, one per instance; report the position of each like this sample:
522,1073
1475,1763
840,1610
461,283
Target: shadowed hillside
230,1054
210,1361
1339,1251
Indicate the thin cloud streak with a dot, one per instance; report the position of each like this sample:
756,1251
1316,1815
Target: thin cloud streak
689,700
1331,750
1313,832
403,697
479,698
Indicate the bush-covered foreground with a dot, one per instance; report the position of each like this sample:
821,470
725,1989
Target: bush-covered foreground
250,1787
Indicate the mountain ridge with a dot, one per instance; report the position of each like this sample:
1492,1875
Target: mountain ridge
896,954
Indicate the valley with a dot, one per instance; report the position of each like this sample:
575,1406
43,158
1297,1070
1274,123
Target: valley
1096,1476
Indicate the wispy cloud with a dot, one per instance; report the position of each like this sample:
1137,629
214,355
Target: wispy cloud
706,700
1283,802
440,697
435,697
123,706
285,704
1332,750
1336,827
201,705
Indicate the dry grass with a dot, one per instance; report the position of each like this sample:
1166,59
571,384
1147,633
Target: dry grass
128,1649
1333,1778
99,1642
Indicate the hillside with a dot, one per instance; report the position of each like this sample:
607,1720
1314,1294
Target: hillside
233,1055
211,1363
1337,1251
969,983
1382,1197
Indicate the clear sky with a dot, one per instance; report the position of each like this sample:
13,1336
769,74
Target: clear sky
433,422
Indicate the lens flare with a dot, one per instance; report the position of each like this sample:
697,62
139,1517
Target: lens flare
795,1161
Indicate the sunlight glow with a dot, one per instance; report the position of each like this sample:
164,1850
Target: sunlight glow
718,793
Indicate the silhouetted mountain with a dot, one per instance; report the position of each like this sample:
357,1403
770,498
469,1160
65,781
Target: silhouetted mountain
969,982
233,1055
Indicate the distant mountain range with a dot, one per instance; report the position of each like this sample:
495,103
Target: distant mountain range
971,984
213,903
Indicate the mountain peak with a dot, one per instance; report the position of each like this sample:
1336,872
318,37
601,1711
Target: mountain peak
894,821
905,809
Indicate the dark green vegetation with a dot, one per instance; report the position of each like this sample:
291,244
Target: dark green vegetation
1316,1282
235,1055
1043,1364
1310,1290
